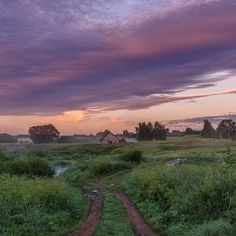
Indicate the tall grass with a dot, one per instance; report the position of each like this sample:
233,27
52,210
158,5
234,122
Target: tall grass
114,220
132,156
92,168
30,167
176,199
33,207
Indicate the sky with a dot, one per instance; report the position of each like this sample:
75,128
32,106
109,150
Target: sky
90,65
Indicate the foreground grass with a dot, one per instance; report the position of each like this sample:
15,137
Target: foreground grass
196,198
114,219
35,207
186,200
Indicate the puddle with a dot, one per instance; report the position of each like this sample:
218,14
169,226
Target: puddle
60,169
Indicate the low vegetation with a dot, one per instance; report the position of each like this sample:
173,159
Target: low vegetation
114,220
35,207
92,168
186,199
132,156
30,167
194,197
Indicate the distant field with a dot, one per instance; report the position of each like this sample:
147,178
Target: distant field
195,197
173,147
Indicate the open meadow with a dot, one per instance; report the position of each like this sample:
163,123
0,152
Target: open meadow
181,186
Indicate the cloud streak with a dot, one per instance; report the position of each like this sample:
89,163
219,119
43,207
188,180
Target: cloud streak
197,122
143,103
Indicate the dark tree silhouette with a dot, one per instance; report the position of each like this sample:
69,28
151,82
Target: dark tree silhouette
44,134
128,134
148,132
189,131
160,131
208,130
144,132
227,129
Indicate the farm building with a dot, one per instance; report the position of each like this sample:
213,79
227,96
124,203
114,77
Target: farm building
110,138
176,133
23,139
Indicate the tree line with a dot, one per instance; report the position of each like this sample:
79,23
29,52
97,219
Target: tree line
157,131
143,132
149,131
225,130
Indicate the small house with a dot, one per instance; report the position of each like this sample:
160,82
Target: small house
176,133
110,138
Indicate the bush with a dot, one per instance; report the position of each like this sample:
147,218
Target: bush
133,156
90,168
39,167
106,166
30,167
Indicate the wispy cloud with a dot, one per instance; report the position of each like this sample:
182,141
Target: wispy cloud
138,103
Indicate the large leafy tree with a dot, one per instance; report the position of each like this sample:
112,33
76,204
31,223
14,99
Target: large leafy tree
148,132
144,131
44,134
227,129
208,131
159,131
189,131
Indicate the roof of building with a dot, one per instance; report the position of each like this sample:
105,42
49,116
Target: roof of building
120,139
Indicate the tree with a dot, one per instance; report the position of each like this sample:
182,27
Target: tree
148,132
144,132
227,129
44,134
208,131
128,134
189,131
159,131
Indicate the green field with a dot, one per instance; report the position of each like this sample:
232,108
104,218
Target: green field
195,197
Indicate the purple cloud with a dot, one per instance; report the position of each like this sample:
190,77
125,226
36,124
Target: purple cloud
67,55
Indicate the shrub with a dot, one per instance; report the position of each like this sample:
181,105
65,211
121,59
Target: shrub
30,167
17,167
90,168
133,156
106,166
101,167
39,167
